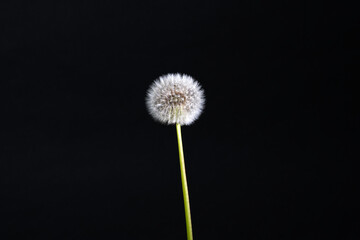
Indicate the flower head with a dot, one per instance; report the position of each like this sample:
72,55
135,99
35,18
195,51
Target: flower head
175,98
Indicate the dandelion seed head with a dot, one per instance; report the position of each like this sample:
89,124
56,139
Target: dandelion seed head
175,98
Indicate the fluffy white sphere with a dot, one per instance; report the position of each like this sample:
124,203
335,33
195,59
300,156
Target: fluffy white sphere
175,98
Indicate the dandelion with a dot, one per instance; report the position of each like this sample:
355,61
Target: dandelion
177,99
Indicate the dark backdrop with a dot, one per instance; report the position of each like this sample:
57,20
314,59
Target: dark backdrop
271,157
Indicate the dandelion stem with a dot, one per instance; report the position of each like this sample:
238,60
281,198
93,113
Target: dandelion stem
184,185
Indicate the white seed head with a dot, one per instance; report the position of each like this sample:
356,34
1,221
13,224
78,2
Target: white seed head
175,98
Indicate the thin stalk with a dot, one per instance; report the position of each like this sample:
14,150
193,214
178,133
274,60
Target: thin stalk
184,185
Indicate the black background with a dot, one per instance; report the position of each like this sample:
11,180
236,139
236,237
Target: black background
271,157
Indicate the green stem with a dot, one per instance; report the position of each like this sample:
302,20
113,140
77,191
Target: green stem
184,184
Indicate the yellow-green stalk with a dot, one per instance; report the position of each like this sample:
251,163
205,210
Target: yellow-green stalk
184,184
